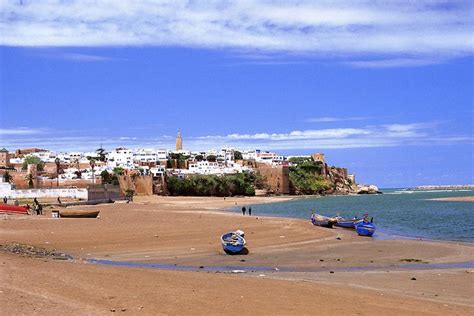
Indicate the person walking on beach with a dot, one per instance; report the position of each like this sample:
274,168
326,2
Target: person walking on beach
243,210
250,211
38,207
5,200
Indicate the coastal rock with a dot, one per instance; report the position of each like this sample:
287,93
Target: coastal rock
368,189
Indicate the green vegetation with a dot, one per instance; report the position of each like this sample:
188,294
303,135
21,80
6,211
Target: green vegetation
180,160
91,162
212,185
238,155
33,160
199,158
305,176
109,178
118,171
260,181
101,153
211,158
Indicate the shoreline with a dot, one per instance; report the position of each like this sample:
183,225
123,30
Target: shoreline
455,199
307,265
384,235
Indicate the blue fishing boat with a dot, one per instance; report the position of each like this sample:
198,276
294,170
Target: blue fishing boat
365,228
323,221
348,223
345,223
233,242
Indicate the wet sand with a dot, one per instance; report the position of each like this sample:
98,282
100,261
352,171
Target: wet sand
298,259
456,199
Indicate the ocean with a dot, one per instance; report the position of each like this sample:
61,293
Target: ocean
397,213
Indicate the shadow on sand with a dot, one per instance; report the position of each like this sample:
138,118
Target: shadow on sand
243,252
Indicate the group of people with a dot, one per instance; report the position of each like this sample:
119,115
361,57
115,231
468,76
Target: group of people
37,206
5,201
244,210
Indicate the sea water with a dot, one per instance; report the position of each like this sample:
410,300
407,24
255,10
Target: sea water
397,212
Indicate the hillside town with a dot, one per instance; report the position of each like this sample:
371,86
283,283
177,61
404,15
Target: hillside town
147,171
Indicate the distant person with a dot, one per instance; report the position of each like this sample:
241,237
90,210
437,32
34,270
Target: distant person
17,203
250,211
5,200
243,210
59,201
38,207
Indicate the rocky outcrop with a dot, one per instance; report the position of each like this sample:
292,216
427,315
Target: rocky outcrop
367,189
339,180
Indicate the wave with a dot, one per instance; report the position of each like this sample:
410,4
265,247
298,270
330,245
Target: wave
424,191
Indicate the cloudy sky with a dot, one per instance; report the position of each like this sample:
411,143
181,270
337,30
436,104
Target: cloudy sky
383,88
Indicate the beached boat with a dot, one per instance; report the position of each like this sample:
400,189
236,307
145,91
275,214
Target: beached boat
12,209
323,221
233,242
347,223
78,214
365,228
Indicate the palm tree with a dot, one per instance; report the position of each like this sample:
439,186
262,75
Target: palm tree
92,164
101,153
57,161
30,179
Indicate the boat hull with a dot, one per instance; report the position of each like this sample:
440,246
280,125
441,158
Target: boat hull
13,209
78,214
323,221
365,229
232,247
345,224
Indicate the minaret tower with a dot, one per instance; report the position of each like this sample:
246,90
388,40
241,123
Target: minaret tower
179,141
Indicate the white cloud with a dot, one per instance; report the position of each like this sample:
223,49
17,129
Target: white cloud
81,57
18,131
395,62
392,135
299,135
369,136
411,32
336,119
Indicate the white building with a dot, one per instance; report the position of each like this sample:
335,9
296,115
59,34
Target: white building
162,154
249,154
216,168
45,156
265,157
157,171
120,157
145,156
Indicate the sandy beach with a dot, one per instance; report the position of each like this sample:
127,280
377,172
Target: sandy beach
292,267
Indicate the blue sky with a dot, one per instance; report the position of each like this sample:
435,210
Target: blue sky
385,89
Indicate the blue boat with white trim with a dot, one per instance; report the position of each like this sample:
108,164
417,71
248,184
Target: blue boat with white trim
233,242
365,228
346,223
